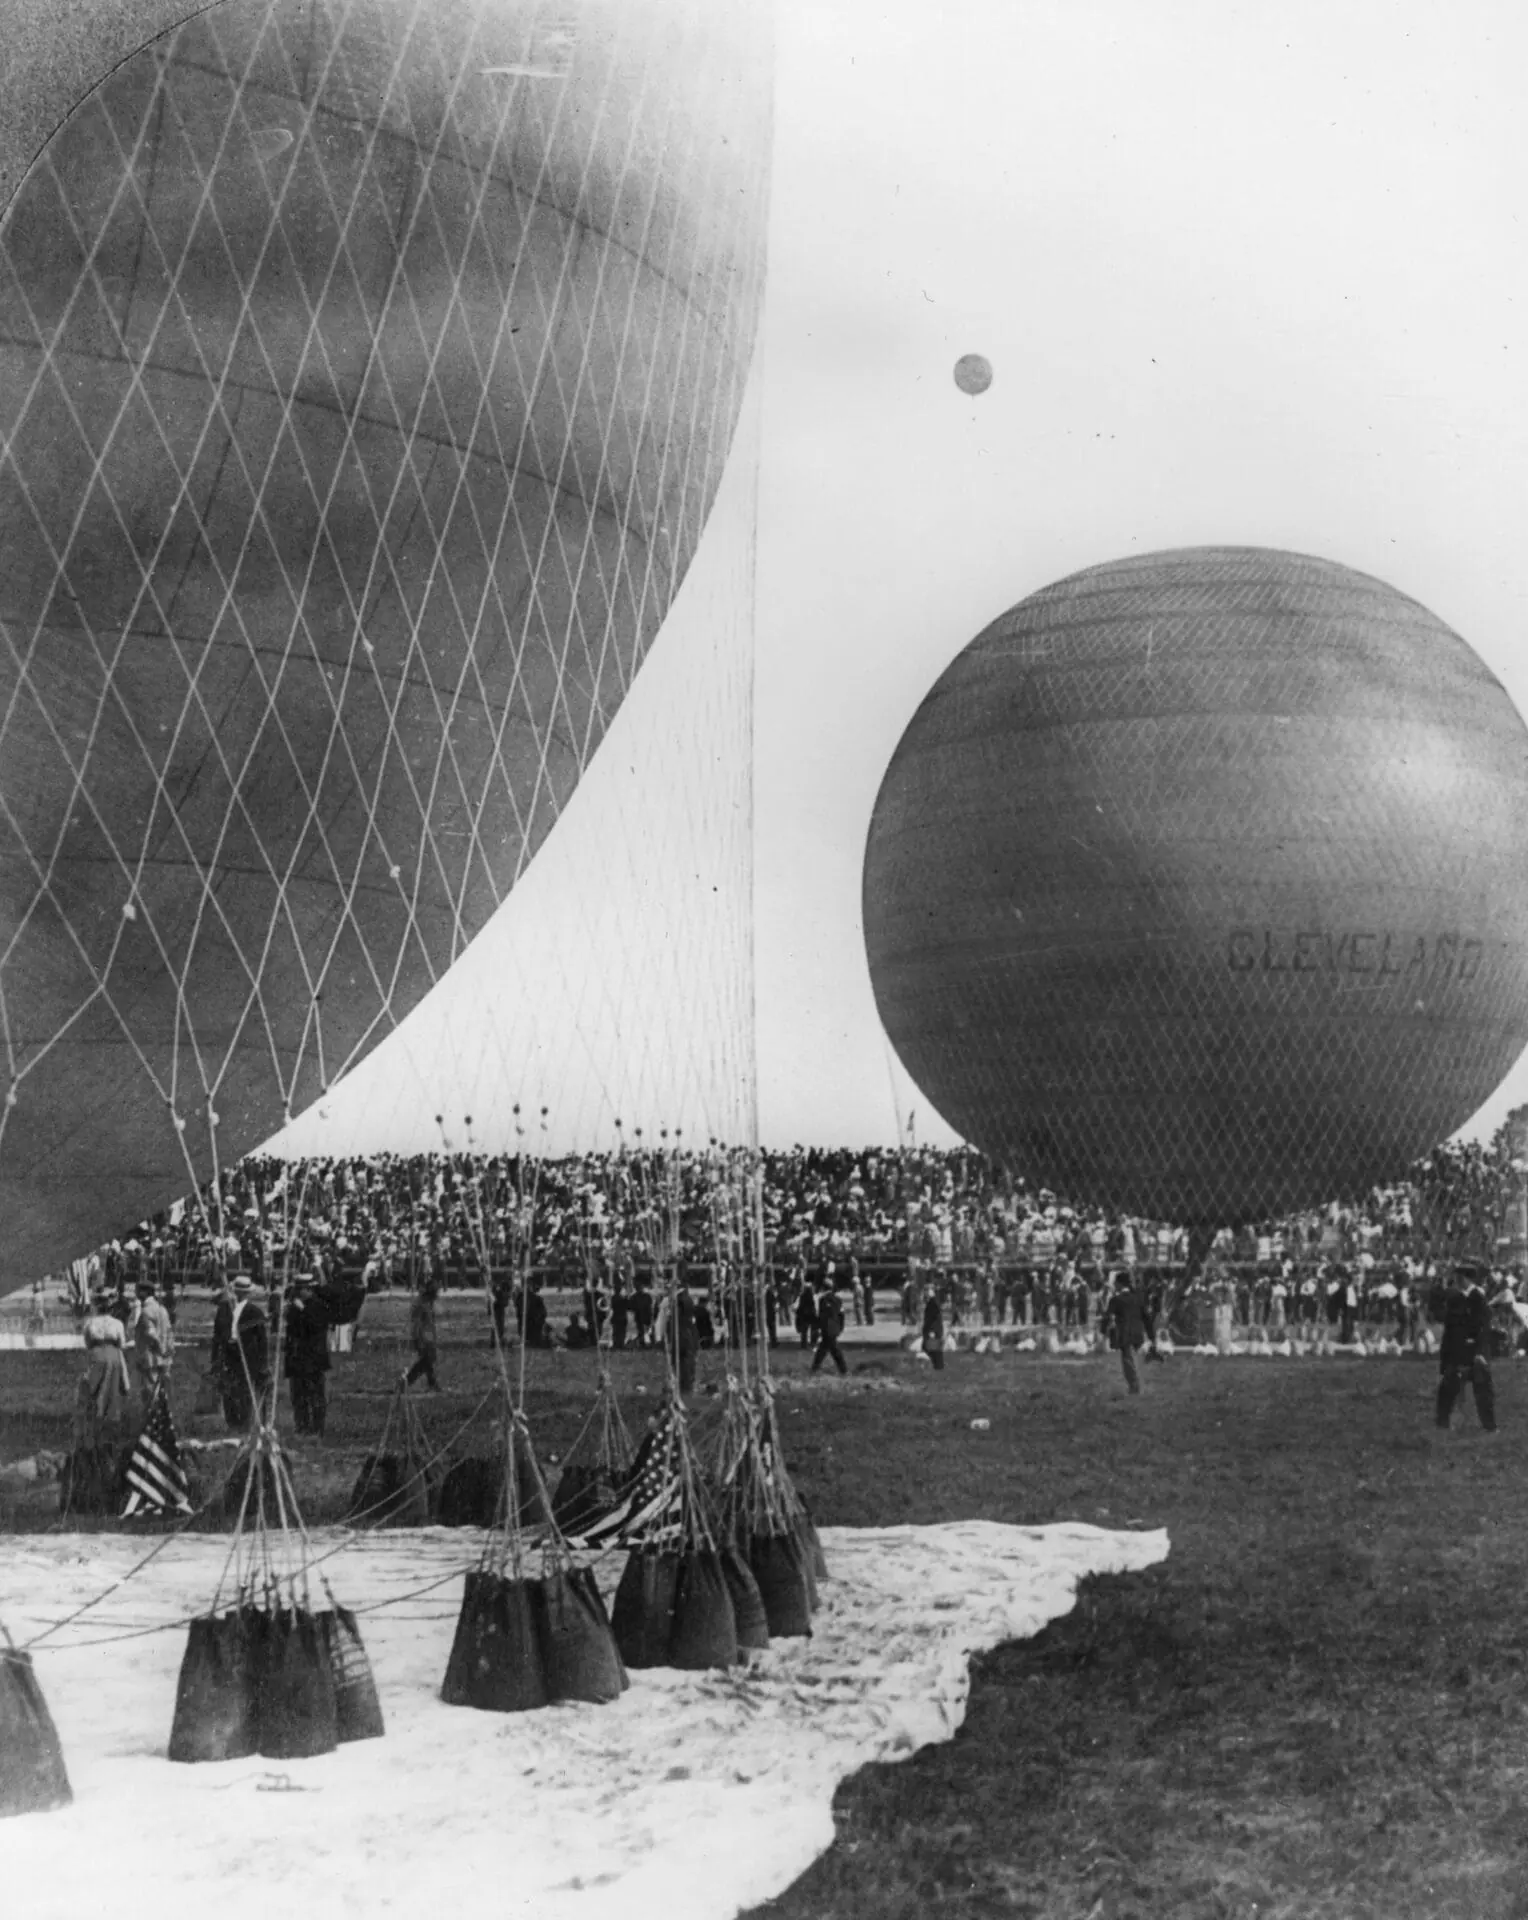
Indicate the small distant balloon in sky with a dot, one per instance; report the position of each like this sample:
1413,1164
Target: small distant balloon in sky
973,373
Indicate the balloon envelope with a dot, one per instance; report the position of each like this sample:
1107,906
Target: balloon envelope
367,371
1195,887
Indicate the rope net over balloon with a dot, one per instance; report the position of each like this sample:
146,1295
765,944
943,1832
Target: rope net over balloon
615,988
367,374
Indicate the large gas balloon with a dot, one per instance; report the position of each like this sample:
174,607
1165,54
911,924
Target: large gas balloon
367,371
1196,886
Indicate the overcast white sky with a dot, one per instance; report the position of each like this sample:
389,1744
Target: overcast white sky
1246,273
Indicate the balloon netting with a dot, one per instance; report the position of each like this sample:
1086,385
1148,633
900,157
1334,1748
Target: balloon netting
367,372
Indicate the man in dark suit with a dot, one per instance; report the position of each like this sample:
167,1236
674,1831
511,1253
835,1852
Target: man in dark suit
682,1336
933,1328
806,1312
620,1312
536,1330
1127,1328
1465,1349
307,1355
501,1292
241,1354
642,1309
222,1360
830,1324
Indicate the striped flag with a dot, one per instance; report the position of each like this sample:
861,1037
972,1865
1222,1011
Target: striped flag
79,1282
650,1505
156,1478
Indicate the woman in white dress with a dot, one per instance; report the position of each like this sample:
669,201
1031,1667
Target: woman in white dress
102,1416
105,1390
1224,1297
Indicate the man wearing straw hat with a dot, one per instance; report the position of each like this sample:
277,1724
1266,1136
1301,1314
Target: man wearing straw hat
241,1353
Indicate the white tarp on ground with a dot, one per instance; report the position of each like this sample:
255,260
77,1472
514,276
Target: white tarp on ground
693,1796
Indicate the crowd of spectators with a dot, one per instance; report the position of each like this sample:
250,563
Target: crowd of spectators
907,1219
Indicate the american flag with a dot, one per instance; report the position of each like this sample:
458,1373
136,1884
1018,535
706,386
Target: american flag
155,1476
650,1504
79,1282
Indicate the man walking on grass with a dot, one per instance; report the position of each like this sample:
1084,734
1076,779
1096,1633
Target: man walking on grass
1466,1347
422,1333
1127,1328
830,1324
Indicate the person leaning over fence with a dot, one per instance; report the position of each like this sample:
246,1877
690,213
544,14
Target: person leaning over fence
1465,1349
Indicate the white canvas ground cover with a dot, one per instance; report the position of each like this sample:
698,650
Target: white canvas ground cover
693,1796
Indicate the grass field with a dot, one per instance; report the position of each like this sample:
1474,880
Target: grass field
1317,1707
